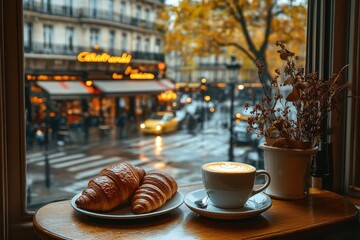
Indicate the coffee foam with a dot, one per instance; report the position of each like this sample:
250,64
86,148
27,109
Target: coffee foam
228,167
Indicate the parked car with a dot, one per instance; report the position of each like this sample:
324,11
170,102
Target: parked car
241,135
240,126
159,123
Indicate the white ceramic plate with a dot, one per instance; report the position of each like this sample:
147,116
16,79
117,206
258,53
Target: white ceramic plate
256,205
124,211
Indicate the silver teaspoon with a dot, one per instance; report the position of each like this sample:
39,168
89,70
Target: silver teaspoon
202,203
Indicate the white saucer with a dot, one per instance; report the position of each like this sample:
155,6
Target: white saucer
256,205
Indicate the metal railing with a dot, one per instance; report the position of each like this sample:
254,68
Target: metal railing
88,13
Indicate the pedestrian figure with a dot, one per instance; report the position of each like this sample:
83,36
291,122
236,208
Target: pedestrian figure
121,124
42,134
86,126
191,124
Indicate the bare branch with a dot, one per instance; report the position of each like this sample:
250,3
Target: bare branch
241,48
236,10
267,33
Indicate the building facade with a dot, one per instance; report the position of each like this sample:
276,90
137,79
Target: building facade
94,56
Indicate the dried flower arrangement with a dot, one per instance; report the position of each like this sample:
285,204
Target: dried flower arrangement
310,96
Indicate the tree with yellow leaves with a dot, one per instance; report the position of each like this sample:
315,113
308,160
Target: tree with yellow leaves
247,27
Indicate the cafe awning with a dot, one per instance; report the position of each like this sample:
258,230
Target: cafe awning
65,89
113,87
167,84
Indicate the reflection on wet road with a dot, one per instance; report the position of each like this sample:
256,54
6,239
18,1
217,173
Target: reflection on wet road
179,154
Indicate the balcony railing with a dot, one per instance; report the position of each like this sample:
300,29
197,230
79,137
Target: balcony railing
88,13
66,50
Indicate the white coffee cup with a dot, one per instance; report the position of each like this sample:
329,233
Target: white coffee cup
231,184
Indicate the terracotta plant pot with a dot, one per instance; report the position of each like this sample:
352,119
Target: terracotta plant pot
289,171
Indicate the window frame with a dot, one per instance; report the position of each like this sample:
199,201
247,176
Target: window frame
16,223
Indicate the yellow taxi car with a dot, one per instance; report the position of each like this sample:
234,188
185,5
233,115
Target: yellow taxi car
159,123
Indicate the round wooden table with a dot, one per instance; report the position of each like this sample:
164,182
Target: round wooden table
321,213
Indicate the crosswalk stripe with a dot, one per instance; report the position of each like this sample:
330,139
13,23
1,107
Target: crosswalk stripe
93,172
76,187
70,163
88,174
42,157
62,159
103,162
33,155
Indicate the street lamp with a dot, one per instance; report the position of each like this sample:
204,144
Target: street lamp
203,91
233,68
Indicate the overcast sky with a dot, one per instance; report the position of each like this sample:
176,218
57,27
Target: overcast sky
171,2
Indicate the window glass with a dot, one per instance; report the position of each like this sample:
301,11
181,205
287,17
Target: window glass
112,40
94,37
123,8
158,46
147,45
48,38
98,74
93,8
69,38
27,36
69,7
46,6
124,43
110,8
138,43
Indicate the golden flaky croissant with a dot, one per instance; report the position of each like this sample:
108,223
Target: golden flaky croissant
155,189
115,185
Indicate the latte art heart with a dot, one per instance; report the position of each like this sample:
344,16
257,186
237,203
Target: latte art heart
228,167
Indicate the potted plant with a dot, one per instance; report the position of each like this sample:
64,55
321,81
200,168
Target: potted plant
292,122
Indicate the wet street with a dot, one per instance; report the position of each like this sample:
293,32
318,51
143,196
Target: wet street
179,153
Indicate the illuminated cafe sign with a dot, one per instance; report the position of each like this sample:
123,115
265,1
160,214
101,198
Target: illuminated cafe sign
89,57
133,74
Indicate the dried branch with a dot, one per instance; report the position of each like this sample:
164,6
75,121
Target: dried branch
311,97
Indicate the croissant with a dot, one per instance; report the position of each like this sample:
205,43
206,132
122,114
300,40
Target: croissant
114,185
155,189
